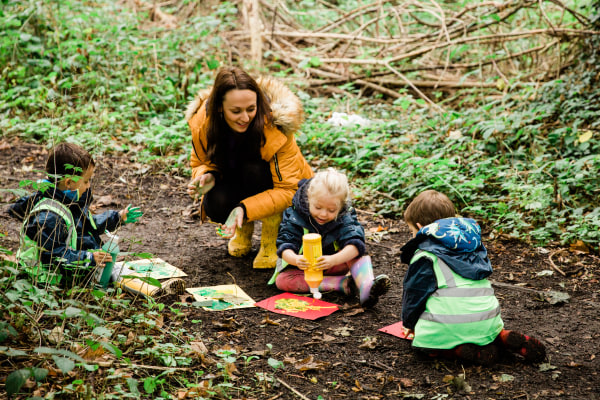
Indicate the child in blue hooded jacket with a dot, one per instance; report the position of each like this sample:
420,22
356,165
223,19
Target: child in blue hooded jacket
321,205
448,303
60,237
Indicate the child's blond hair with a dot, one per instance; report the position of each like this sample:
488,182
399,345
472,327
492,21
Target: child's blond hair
428,207
329,183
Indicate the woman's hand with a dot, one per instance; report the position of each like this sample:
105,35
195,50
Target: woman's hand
234,220
200,185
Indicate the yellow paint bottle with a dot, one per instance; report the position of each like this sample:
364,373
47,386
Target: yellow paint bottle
311,243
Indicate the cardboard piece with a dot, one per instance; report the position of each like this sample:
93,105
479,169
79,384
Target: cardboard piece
298,306
398,330
153,267
221,297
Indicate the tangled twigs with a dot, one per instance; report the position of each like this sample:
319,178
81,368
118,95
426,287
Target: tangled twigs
384,46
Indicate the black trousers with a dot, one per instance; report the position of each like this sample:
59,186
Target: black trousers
251,178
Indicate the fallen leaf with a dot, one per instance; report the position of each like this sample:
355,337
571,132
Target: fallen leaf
269,321
554,297
405,382
342,331
579,246
199,347
368,343
310,364
355,311
105,200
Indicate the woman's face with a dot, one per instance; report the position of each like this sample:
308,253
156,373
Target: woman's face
239,109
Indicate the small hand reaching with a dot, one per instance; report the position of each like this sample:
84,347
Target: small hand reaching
130,214
101,258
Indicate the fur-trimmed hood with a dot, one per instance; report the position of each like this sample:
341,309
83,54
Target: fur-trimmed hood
287,110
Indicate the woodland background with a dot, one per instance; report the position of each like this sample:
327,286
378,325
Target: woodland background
495,103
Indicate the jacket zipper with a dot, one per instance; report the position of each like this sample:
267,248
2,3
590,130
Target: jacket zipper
277,167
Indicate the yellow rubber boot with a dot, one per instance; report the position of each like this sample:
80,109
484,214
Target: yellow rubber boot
241,243
267,255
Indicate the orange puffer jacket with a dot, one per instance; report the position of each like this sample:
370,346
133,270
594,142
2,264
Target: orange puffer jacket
286,161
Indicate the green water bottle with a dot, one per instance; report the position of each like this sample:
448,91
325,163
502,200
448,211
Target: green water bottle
111,246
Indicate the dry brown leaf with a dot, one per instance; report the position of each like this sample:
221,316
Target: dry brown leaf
579,246
106,200
369,343
310,364
406,382
199,347
269,321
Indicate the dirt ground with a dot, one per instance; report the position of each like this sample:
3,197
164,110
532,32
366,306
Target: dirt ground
344,356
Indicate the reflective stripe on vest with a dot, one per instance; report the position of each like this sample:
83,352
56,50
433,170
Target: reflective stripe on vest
29,250
460,311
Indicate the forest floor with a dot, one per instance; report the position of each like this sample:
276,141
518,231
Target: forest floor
344,355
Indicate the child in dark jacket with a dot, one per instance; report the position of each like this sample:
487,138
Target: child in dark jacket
60,239
447,303
321,205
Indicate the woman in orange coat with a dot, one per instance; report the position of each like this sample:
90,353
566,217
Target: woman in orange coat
245,161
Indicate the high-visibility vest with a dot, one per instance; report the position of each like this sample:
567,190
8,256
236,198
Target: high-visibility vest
29,253
460,311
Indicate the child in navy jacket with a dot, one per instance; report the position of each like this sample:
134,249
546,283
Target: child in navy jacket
321,205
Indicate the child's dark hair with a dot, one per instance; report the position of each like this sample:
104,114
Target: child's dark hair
428,207
67,159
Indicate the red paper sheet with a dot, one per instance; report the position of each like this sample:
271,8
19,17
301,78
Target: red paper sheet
398,330
298,306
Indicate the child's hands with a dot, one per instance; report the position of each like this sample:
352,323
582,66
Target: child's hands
130,214
101,258
301,262
200,185
326,262
234,220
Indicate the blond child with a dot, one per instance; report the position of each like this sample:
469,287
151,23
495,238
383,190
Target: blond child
322,205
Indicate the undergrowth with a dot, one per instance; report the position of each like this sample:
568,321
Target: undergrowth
105,77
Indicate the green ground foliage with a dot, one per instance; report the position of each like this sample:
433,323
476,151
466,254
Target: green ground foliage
101,74
104,76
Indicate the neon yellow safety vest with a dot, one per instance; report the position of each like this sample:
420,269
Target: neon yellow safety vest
460,311
29,251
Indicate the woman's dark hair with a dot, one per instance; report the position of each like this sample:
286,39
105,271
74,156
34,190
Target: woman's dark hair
67,159
230,78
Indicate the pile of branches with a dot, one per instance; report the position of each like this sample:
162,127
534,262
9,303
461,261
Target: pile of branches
422,45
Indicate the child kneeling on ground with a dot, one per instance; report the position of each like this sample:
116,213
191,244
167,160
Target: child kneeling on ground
60,241
447,301
322,205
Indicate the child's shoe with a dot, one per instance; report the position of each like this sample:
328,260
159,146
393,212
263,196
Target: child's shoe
483,355
381,285
173,286
530,348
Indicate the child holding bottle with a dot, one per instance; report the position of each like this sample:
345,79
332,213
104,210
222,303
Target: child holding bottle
322,205
448,302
